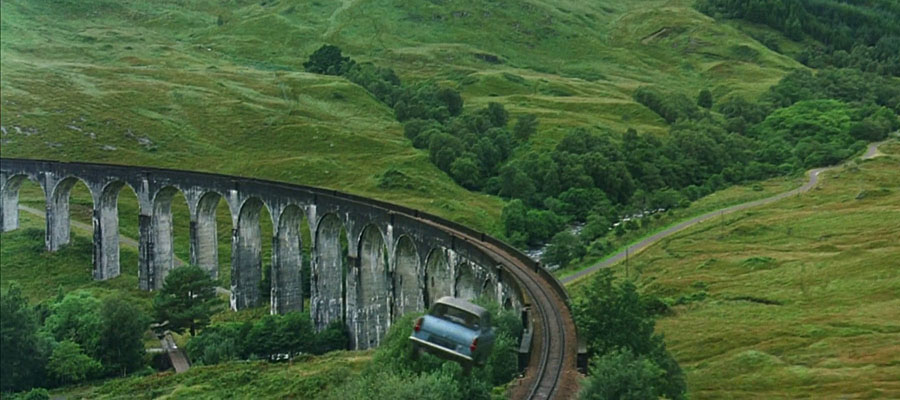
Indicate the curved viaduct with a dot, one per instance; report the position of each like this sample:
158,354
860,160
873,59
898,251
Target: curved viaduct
398,259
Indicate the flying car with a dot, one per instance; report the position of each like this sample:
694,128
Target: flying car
454,329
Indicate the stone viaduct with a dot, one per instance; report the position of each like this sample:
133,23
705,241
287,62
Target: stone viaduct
391,260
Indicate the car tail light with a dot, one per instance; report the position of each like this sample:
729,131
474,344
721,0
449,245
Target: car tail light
418,325
474,345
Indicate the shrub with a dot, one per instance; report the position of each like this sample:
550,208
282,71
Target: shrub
328,60
704,99
214,345
620,374
390,385
34,394
69,364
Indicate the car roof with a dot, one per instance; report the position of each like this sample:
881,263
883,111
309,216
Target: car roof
462,304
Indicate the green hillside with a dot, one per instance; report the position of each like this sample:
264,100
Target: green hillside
187,84
794,299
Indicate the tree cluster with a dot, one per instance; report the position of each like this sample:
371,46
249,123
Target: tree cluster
469,146
806,120
670,106
862,35
272,338
596,178
628,360
70,339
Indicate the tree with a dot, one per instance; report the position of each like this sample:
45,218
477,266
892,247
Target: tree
452,99
597,225
578,202
22,361
541,225
466,172
77,318
444,149
497,114
563,248
514,221
217,343
186,300
69,364
515,183
704,99
334,337
328,60
124,324
526,126
296,333
613,317
620,375
263,337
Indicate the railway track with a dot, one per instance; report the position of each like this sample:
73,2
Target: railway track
551,362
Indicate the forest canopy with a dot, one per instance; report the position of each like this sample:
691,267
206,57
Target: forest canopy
861,35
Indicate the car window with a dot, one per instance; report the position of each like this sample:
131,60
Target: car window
456,315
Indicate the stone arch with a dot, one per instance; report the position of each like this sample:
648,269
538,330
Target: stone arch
438,277
287,260
371,315
473,281
9,200
466,284
106,230
58,218
162,250
406,278
205,251
327,300
246,256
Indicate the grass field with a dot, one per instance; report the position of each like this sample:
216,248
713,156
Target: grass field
205,86
42,274
795,299
800,298
304,379
191,84
658,222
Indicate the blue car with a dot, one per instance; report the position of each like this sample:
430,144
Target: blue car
455,329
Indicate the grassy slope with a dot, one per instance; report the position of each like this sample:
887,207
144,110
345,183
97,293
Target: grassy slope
164,84
42,274
826,261
718,200
120,85
257,379
87,77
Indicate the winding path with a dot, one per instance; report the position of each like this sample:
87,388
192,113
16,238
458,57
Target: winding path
633,249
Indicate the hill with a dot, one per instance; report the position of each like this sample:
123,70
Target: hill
797,298
221,87
187,84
